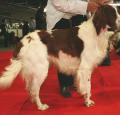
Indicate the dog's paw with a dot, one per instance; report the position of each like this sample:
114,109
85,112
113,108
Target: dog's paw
43,107
89,103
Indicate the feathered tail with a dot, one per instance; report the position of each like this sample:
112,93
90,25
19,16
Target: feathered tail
10,73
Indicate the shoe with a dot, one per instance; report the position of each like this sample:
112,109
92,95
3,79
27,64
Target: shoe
65,92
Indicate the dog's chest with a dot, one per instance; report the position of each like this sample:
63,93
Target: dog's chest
65,63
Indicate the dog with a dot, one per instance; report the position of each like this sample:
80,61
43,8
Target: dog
75,51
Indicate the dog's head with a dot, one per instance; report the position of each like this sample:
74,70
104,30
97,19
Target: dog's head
106,16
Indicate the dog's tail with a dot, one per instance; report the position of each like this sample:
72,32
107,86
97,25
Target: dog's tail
10,73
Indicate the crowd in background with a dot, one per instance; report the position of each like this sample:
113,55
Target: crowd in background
37,22
11,32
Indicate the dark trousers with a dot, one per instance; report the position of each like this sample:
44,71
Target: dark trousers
63,24
65,80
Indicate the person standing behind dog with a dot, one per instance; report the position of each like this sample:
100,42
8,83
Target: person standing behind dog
58,15
32,24
62,7
25,28
40,18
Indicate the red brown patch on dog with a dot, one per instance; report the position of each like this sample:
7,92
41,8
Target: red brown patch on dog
65,40
17,49
29,39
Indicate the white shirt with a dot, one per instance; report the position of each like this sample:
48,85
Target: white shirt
57,9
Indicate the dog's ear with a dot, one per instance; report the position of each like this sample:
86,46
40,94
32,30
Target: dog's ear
105,15
99,19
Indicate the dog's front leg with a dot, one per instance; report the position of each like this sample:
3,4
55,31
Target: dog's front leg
84,84
87,96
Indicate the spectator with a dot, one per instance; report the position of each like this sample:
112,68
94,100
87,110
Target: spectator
25,28
4,32
40,18
32,24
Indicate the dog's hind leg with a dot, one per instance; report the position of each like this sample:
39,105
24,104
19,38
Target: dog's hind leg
35,80
34,93
35,66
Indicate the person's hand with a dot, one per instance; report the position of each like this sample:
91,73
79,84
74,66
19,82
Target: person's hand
92,6
101,2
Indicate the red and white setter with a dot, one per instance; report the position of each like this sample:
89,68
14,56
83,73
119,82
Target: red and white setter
75,52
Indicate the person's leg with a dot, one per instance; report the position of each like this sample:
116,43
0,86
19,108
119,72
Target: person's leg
65,82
